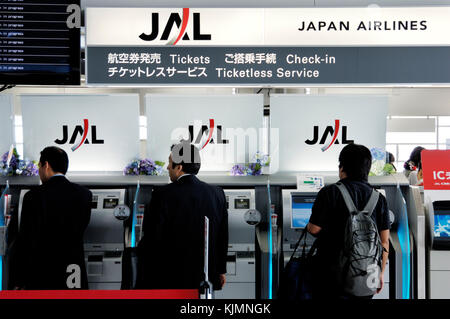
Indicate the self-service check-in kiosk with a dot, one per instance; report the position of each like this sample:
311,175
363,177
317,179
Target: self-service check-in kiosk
297,208
104,239
439,249
242,218
104,236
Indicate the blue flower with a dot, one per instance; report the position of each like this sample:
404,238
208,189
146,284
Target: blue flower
259,158
17,166
144,166
378,154
238,170
254,169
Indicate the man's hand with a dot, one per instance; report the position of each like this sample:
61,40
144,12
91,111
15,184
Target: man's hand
313,229
223,280
381,283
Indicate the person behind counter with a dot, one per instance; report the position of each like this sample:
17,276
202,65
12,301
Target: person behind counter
45,248
170,255
390,159
328,222
413,166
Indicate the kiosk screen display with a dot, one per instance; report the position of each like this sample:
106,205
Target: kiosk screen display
242,203
301,210
109,203
441,219
442,224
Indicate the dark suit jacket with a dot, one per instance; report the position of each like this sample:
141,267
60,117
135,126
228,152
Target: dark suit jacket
170,255
50,237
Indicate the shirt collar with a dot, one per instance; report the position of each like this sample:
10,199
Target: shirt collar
183,176
57,175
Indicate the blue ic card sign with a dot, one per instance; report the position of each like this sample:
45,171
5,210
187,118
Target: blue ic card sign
309,183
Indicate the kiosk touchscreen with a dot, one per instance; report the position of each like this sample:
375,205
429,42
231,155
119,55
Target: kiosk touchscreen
441,227
297,209
301,210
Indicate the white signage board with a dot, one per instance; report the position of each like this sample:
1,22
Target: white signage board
98,132
228,129
368,26
314,129
309,183
421,26
6,123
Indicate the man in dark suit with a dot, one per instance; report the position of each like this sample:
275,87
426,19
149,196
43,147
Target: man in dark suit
47,249
171,253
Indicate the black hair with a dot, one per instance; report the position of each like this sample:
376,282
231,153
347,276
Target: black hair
390,159
187,155
56,157
415,158
355,160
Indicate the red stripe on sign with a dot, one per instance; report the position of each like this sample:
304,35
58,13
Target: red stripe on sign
336,131
100,294
85,132
183,25
211,130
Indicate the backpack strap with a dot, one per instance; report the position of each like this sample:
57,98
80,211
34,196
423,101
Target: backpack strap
370,206
347,198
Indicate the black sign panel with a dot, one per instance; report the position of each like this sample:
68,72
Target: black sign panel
36,44
183,65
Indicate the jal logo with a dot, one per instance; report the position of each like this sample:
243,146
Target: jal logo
80,132
181,23
196,137
329,131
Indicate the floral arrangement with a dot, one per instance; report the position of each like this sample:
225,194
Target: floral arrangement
17,167
379,166
254,168
144,166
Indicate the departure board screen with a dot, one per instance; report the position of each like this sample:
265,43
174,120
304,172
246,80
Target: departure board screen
37,46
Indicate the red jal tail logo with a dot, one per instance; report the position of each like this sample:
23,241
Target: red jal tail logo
79,131
210,131
182,22
329,130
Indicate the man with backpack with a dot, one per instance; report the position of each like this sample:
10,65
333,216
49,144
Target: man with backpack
351,222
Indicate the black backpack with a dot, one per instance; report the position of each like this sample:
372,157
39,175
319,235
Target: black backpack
359,265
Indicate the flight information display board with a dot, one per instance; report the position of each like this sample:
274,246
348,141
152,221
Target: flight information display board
37,45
